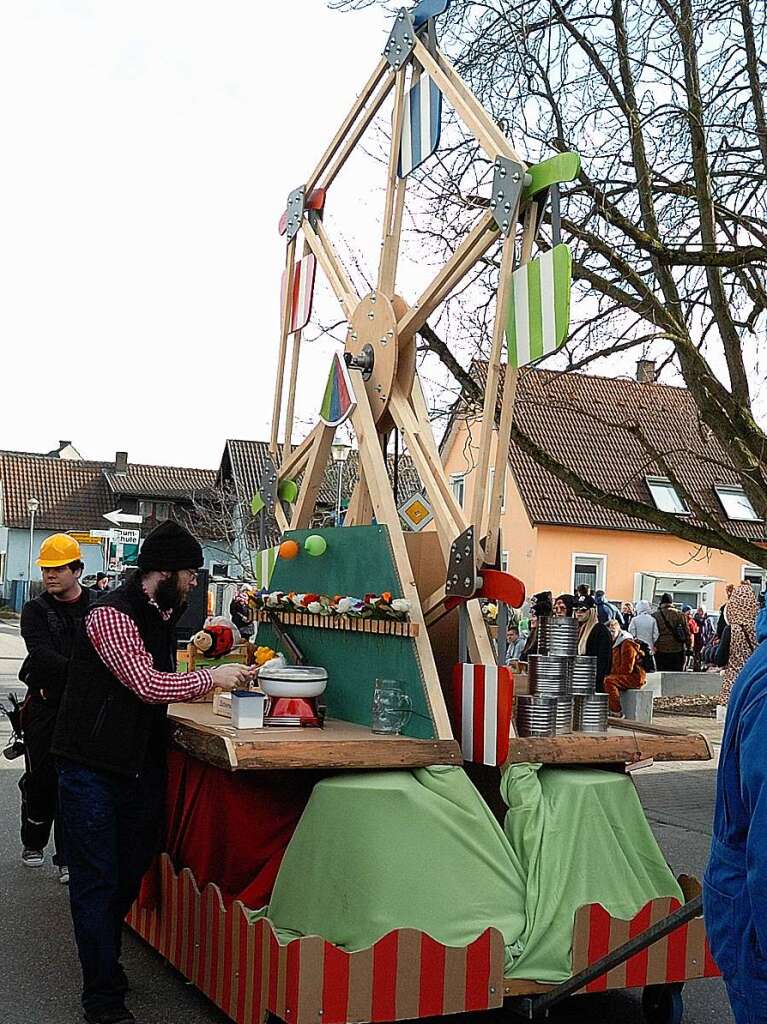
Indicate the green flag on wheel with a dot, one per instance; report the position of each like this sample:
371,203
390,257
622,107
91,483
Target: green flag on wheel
539,306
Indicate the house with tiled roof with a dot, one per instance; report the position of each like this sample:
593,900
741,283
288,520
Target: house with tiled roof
611,432
69,494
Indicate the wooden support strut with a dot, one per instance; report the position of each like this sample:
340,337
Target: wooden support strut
331,265
487,428
314,474
507,412
357,132
395,196
471,249
372,460
294,357
290,266
475,117
382,68
448,514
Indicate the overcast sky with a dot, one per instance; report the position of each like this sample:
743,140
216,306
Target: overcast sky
148,152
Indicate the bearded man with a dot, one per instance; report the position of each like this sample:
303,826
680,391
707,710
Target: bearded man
110,745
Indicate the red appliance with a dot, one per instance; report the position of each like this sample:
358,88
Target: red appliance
292,692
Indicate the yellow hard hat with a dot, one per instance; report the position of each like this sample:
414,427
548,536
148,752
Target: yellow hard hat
60,549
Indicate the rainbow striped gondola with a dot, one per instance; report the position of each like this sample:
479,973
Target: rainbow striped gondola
338,401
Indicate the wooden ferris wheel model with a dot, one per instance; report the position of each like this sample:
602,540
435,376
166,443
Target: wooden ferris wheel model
376,385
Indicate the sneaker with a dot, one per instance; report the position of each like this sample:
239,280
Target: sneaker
119,1016
32,858
63,874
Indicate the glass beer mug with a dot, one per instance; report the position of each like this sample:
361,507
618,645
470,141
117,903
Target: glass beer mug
392,708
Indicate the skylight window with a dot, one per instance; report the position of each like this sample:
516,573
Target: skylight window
665,496
736,504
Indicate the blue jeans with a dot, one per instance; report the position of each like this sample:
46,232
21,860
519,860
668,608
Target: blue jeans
112,827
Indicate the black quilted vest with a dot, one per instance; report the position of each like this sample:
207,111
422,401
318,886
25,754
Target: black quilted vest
101,723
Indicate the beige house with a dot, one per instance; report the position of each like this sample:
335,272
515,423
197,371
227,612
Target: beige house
554,539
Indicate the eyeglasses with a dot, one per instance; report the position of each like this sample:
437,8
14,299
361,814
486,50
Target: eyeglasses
191,573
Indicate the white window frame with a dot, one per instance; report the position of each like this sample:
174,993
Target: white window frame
599,560
457,479
504,561
734,490
663,481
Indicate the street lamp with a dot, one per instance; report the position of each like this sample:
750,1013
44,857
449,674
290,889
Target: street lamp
340,453
33,504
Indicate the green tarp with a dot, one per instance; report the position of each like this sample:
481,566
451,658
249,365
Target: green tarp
383,850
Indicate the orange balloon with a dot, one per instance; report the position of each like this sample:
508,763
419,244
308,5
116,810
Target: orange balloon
288,549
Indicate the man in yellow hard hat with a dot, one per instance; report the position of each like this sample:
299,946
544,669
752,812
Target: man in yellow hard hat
49,625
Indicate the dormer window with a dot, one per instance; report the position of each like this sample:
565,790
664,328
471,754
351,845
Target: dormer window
665,496
735,503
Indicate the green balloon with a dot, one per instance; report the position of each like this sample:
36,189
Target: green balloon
315,545
288,491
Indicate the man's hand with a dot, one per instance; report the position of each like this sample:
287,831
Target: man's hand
232,677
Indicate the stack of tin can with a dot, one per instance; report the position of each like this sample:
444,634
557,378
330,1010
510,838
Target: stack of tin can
562,684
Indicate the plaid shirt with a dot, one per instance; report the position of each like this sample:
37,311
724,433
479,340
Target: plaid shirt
117,641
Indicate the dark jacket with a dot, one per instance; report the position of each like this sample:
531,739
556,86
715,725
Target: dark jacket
600,646
49,629
101,723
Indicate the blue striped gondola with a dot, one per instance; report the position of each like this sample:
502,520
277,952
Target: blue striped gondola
421,126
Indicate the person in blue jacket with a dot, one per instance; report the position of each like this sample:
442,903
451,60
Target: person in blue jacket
735,882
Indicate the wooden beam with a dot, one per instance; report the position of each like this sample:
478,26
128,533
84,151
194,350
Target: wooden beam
333,270
501,463
505,146
471,249
472,113
611,747
507,409
279,515
487,428
372,461
395,196
303,510
382,68
356,133
290,266
360,510
338,266
294,357
295,352
450,517
295,462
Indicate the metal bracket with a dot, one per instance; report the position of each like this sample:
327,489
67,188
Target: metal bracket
401,42
461,569
508,182
294,212
364,362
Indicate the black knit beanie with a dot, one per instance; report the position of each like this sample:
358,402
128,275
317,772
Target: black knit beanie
170,547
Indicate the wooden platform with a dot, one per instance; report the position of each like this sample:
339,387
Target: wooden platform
625,742
211,738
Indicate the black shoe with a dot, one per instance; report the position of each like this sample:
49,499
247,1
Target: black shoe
118,1016
122,985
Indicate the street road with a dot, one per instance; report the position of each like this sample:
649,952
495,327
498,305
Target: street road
39,976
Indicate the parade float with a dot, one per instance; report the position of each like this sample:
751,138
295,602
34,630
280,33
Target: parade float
387,846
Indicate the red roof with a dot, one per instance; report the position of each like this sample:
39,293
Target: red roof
602,428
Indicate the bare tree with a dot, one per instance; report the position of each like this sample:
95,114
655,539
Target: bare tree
663,99
225,524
